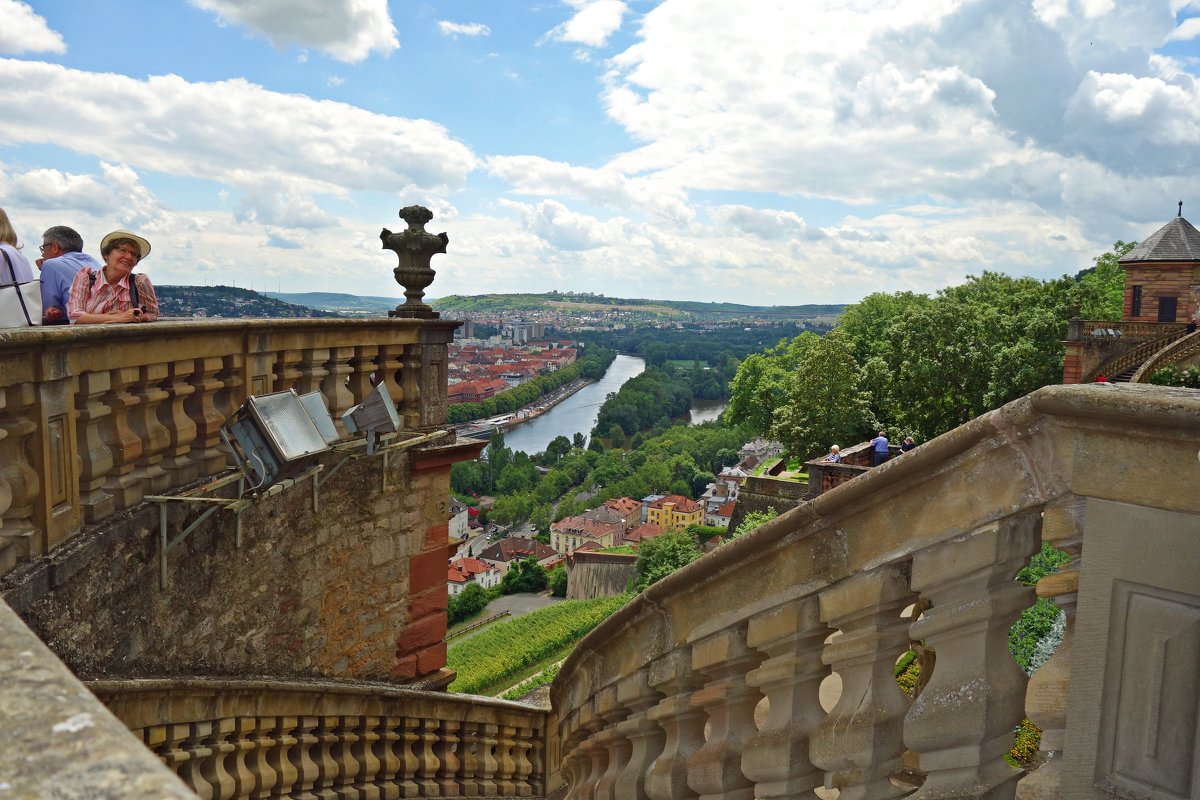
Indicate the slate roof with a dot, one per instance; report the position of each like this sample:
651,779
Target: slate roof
1178,240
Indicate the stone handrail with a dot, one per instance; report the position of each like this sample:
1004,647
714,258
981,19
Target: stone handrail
1179,351
1137,331
274,739
664,700
1136,355
93,418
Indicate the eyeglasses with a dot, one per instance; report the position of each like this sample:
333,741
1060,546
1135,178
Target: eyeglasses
43,247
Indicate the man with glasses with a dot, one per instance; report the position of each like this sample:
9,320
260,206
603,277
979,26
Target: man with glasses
62,257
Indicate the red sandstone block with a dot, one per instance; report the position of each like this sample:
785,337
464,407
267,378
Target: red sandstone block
432,601
422,633
437,536
427,570
405,667
431,659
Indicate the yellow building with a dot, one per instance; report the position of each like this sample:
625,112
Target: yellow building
674,512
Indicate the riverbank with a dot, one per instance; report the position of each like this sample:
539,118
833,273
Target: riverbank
482,428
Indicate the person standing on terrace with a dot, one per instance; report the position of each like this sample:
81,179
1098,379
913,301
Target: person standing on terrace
62,259
879,449
113,293
835,454
8,243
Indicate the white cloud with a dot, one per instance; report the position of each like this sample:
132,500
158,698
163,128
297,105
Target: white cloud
117,193
463,29
24,31
232,131
1186,31
592,24
348,30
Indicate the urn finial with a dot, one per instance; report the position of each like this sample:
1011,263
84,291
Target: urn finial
414,247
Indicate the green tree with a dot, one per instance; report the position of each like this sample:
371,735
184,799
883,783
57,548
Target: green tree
579,440
762,383
825,403
659,557
498,457
524,575
559,446
558,581
1102,286
466,604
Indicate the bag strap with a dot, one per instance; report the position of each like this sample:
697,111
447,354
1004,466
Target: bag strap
17,287
133,290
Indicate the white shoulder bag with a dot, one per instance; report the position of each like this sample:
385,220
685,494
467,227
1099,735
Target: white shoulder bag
20,303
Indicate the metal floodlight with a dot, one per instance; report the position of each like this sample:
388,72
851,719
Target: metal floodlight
314,404
374,415
274,436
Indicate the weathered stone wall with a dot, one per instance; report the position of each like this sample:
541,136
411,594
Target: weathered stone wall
343,592
763,493
592,575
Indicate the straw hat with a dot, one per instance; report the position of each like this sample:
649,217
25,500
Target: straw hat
143,245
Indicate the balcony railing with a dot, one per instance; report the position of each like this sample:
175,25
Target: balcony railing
93,418
711,683
273,739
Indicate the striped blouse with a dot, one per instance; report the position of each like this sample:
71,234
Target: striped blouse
97,296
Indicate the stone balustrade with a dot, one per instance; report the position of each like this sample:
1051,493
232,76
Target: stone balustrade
722,680
274,739
93,418
1182,352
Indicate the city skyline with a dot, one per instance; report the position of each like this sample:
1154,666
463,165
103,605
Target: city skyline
781,153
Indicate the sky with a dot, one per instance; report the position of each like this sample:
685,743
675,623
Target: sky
766,152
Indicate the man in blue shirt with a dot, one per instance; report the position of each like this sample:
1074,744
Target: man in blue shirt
62,257
879,449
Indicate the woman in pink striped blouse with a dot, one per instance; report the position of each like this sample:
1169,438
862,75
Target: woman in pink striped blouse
113,293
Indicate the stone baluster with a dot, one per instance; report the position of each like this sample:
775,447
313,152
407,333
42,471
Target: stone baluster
143,420
366,752
334,386
362,366
288,370
573,766
95,457
171,743
645,736
592,757
449,763
211,760
471,760
616,748
715,770
428,763
122,440
278,758
776,758
682,723
314,369
308,772
506,761
409,763
19,483
961,723
211,379
861,741
410,379
328,768
538,758
389,758
343,752
387,369
487,752
181,428
1046,694
243,741
523,755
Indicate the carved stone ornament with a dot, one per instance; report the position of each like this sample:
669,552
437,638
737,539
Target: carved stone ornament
414,247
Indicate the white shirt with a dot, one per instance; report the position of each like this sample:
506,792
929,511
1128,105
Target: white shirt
19,263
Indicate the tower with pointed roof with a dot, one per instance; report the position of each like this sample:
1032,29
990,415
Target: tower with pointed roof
1162,275
1162,305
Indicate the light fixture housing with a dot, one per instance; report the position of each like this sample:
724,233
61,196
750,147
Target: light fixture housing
276,436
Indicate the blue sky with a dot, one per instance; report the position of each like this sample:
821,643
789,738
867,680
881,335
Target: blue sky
777,152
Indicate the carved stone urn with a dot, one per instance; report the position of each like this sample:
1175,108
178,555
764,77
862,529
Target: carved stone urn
414,247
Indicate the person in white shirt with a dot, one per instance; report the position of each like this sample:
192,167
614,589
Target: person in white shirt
21,268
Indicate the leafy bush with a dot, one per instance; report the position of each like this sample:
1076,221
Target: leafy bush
659,557
753,520
466,604
1050,559
526,575
1172,375
541,679
505,648
558,581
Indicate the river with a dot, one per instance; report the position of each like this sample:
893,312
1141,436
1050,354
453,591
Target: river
578,413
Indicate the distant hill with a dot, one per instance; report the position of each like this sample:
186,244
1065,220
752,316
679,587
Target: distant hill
560,301
349,304
228,301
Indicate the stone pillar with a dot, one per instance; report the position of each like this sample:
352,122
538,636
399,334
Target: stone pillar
776,758
682,723
861,742
961,723
715,770
645,736
616,747
1046,694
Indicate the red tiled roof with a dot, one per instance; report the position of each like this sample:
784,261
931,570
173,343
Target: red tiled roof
682,504
643,532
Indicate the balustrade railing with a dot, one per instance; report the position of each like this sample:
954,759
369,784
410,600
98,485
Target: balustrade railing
272,739
93,418
1181,351
721,680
